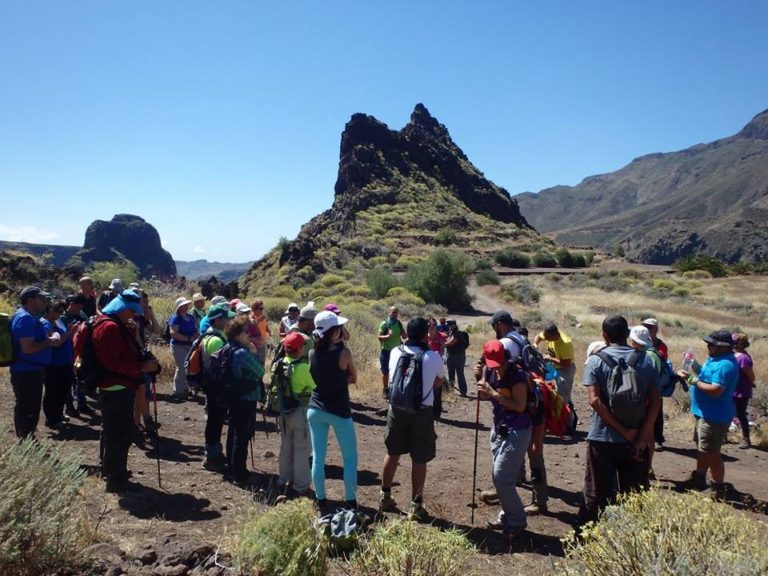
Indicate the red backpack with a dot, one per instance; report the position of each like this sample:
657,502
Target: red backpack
557,413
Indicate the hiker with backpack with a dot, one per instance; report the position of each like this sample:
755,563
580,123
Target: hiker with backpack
198,308
31,354
415,373
391,335
113,291
60,373
436,342
146,324
290,319
560,353
292,383
711,387
623,388
204,323
660,346
183,332
119,364
257,309
505,384
73,316
237,372
456,349
333,370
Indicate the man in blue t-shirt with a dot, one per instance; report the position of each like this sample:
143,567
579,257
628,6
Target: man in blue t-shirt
617,447
31,354
712,405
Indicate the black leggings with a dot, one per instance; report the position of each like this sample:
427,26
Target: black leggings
741,413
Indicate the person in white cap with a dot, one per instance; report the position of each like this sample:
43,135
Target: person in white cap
115,287
183,333
290,319
333,370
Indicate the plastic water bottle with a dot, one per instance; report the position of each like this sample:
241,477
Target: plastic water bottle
688,359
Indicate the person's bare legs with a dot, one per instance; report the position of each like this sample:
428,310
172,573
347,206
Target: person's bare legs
388,473
418,479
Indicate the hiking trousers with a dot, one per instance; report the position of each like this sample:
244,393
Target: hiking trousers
565,381
179,351
116,432
215,414
58,383
320,422
508,453
455,364
295,449
28,390
242,424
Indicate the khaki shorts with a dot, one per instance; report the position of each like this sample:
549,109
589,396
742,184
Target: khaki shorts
411,433
710,436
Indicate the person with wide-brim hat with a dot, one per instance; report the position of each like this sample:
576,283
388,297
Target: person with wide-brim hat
198,308
183,333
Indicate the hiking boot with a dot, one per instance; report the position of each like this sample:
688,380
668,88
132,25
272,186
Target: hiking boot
716,491
116,485
494,525
214,463
651,474
696,481
72,411
514,533
417,512
386,502
745,444
489,497
534,509
83,408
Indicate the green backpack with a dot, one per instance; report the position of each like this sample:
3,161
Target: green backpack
279,398
6,342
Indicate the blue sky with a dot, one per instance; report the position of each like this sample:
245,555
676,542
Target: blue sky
219,122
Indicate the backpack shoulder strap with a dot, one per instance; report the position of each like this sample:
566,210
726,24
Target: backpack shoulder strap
635,357
607,359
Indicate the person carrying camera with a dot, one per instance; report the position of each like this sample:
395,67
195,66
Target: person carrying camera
123,363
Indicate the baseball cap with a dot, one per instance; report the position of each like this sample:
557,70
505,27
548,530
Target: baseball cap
126,300
116,284
326,320
494,353
220,311
33,292
641,335
291,307
308,312
294,342
501,316
719,338
243,308
332,308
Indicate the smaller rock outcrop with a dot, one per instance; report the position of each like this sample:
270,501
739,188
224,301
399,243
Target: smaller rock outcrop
126,237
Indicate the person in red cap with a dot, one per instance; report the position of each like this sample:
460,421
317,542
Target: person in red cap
506,386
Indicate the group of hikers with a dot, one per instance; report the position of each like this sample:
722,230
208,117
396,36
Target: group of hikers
65,349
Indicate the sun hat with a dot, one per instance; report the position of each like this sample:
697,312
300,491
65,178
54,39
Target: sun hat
126,300
719,338
650,322
309,311
243,308
594,348
332,308
291,307
33,292
220,311
501,316
294,342
116,284
216,300
494,353
197,296
181,301
641,335
326,320
740,340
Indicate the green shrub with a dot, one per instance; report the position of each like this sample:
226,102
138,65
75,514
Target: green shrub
104,272
446,238
483,264
697,274
42,517
380,280
330,280
512,258
579,261
486,277
564,258
664,285
712,265
402,296
403,547
522,291
281,541
661,532
613,283
442,279
544,260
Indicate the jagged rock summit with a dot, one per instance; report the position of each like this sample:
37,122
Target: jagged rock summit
126,237
396,191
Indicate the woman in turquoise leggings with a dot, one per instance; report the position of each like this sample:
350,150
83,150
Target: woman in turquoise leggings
332,370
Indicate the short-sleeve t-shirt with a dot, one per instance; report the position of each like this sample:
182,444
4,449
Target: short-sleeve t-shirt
744,387
598,373
64,354
561,348
512,344
720,371
25,325
184,324
394,338
431,367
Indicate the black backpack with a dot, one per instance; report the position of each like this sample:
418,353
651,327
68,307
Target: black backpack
405,389
220,382
165,335
625,399
463,339
530,359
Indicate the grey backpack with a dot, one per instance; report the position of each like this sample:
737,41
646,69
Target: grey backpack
626,397
342,528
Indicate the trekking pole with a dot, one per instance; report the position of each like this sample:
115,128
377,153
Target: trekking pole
252,462
157,433
474,465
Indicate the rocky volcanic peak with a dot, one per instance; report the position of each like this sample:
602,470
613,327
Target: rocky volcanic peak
757,128
129,237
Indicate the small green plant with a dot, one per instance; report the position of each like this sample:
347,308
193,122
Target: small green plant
380,280
42,517
522,291
662,532
281,541
486,277
512,258
709,263
103,273
579,261
446,238
564,258
404,547
544,260
483,265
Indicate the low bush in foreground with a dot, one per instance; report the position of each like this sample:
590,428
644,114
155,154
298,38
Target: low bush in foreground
661,532
42,517
404,547
485,277
281,541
